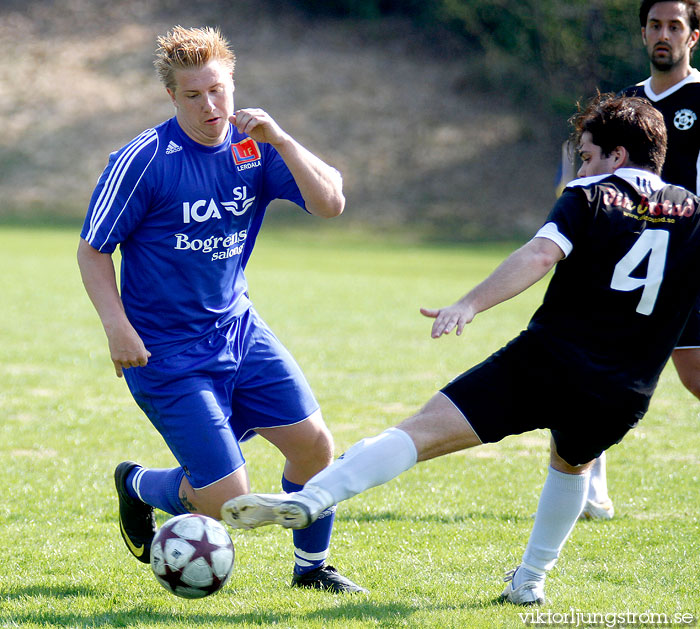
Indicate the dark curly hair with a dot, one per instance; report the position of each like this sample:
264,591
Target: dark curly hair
628,121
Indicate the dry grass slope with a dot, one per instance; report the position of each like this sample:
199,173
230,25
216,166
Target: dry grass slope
393,109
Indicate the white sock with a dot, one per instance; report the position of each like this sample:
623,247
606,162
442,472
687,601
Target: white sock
561,502
368,463
598,484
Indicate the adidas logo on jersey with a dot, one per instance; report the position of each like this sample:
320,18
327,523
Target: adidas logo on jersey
172,148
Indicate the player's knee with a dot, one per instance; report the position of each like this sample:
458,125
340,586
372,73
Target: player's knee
320,452
687,363
319,445
563,466
309,457
692,383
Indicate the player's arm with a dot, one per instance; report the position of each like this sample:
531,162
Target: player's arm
321,185
125,345
520,270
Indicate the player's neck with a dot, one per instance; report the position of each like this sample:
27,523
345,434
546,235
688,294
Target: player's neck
665,80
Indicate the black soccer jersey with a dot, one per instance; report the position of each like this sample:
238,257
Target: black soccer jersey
680,106
617,303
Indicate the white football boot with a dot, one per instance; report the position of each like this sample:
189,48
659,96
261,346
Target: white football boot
527,593
295,510
598,510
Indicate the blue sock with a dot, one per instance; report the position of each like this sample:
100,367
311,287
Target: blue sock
312,543
158,488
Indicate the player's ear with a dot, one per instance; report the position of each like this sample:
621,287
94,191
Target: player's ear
171,93
620,157
693,39
644,35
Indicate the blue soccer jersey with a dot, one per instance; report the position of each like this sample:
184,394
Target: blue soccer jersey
186,217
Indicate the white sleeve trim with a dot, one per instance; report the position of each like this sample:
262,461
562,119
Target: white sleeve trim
551,231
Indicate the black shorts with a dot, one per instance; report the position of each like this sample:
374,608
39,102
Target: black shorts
522,387
690,337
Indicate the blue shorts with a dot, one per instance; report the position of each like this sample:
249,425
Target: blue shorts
216,393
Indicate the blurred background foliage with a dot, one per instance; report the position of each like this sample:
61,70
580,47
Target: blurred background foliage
557,51
446,117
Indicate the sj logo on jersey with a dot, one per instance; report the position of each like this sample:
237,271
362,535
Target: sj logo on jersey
201,211
246,154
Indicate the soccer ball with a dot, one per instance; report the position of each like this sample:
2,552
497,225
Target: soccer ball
192,556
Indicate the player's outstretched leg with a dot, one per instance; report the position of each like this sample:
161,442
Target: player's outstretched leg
368,463
295,510
137,521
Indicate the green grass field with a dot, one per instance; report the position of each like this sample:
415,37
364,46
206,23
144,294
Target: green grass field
431,546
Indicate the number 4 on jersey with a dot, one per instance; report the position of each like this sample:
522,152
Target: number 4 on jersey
652,243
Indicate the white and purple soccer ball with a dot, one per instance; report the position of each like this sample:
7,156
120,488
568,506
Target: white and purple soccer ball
192,556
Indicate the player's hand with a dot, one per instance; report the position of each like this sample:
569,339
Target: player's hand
258,124
449,318
126,349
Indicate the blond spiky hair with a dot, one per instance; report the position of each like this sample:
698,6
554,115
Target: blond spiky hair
183,48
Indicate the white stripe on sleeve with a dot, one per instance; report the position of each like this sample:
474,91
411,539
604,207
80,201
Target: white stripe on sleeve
551,231
105,201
